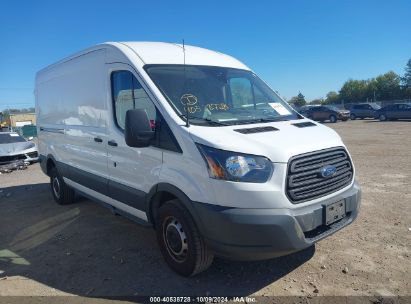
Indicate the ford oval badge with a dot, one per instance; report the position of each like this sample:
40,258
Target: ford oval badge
328,171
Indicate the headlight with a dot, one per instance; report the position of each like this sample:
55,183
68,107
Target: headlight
236,167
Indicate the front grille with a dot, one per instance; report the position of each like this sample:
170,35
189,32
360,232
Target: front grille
304,181
10,159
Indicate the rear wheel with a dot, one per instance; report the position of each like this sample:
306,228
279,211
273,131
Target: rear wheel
382,117
333,118
180,242
62,193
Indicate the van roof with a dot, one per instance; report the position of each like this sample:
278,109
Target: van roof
164,53
172,53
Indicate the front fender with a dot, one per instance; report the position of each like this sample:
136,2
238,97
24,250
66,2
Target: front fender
155,198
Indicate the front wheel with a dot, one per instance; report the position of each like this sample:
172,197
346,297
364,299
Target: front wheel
352,117
62,193
382,117
180,242
333,118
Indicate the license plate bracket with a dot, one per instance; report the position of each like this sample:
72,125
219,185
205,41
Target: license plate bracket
334,212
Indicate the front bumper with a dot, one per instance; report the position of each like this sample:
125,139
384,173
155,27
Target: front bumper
27,157
256,234
344,116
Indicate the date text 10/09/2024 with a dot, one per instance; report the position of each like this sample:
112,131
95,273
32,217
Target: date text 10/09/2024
200,299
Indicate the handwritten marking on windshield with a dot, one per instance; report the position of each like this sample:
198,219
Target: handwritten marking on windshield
192,109
188,99
217,106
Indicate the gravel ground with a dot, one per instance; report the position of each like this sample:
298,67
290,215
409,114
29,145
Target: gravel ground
83,249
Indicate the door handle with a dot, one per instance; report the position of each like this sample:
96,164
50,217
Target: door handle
112,143
98,139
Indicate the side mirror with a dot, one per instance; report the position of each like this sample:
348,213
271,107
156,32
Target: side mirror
138,132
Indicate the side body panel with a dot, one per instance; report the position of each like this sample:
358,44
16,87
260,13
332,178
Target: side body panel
72,115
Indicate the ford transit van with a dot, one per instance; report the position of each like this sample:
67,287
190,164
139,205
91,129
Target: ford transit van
193,143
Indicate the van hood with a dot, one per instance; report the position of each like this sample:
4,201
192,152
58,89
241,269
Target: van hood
277,145
15,148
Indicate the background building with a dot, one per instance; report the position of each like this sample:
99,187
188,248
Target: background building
22,119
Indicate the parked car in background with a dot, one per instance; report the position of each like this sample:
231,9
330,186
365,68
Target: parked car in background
15,150
363,110
394,111
304,109
323,113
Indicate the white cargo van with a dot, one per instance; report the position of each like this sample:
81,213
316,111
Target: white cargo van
193,143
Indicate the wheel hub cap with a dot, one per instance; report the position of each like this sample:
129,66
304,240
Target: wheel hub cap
175,239
56,187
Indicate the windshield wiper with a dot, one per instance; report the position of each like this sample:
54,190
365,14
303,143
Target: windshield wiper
272,119
257,120
208,120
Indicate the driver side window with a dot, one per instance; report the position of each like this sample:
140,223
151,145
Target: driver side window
128,94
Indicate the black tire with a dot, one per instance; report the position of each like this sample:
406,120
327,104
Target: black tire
353,117
62,194
333,118
382,117
180,242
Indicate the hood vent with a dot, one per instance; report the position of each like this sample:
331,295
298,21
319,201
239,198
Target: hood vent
304,124
256,130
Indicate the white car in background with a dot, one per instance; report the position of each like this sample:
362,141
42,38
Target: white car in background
16,150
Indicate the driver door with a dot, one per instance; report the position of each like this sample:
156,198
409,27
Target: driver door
132,171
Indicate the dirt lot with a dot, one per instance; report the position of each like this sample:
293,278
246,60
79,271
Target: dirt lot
83,249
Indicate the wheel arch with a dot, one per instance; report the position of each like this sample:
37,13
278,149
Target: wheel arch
47,163
163,192
333,115
51,162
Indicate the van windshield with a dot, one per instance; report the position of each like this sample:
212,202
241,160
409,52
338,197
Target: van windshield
218,95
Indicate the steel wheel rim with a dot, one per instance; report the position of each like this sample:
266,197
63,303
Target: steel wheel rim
56,187
175,239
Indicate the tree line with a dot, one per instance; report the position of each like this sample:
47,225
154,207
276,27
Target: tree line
388,86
